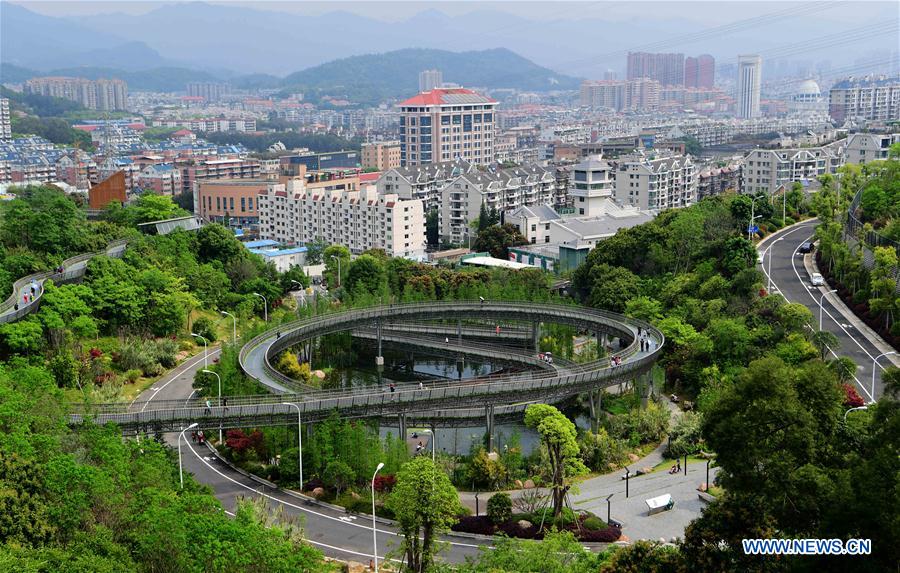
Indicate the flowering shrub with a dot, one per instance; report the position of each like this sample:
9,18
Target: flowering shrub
385,483
852,398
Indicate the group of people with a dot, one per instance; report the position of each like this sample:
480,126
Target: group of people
646,342
616,360
28,297
197,437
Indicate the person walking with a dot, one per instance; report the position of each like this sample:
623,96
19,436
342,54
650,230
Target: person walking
393,389
421,386
225,403
208,407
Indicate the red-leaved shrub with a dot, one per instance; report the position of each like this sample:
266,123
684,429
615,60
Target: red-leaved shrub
852,398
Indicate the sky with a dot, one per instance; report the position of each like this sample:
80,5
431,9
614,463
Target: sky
707,12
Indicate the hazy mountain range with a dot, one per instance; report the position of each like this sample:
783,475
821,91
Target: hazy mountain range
229,40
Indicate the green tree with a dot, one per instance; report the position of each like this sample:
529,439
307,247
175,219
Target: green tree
216,243
499,508
432,228
824,341
558,552
558,436
425,505
366,276
338,475
331,256
22,337
314,251
497,239
613,287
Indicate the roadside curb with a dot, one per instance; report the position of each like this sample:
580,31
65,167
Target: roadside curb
873,337
771,236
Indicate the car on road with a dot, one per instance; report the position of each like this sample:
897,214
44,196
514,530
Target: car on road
806,247
816,279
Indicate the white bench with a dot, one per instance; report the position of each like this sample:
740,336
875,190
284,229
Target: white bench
659,504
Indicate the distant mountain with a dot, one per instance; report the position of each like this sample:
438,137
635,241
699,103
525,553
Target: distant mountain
375,77
36,41
13,74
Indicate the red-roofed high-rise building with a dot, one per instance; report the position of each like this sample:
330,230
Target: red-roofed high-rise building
445,125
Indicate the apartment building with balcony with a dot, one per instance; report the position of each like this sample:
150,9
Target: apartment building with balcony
195,171
872,98
99,94
447,124
655,182
766,170
866,147
503,190
591,184
364,219
381,155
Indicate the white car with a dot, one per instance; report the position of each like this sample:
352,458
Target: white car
817,280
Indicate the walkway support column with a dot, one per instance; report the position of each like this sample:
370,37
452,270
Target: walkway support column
489,426
402,419
536,335
595,404
379,359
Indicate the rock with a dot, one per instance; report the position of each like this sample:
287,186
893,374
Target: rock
319,374
673,540
662,539
518,484
355,496
703,487
529,484
354,567
318,492
646,470
633,457
523,524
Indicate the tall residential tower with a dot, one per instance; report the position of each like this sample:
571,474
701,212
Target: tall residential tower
749,70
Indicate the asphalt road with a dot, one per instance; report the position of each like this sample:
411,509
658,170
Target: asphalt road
791,280
334,532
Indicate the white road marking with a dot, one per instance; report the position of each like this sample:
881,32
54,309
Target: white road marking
187,365
304,509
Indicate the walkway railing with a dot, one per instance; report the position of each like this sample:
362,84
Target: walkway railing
115,248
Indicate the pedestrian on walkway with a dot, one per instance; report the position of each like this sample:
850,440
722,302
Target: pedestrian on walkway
201,438
225,403
208,407
678,466
421,386
393,389
16,306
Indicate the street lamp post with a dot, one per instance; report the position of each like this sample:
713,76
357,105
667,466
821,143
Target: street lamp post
821,301
874,365
854,410
265,306
233,326
205,347
299,441
180,466
339,269
752,218
374,531
433,443
219,378
627,476
608,506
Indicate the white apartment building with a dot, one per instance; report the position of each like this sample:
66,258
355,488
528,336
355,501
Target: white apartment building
541,225
654,183
445,125
765,170
360,220
749,72
424,182
208,125
5,125
865,98
591,184
430,79
866,147
503,190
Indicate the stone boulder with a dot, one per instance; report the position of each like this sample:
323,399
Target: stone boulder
524,524
355,496
633,457
529,484
518,484
318,492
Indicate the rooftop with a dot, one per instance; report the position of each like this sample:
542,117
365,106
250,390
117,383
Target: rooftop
452,96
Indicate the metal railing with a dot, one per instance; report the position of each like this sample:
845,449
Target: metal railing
501,390
113,249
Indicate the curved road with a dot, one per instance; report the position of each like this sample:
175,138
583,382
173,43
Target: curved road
791,279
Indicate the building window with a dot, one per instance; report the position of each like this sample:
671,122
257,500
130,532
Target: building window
243,204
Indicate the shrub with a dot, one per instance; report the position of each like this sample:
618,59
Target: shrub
132,375
478,524
385,483
852,398
485,472
789,221
339,475
607,535
686,437
600,452
641,425
165,351
205,328
594,523
499,508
